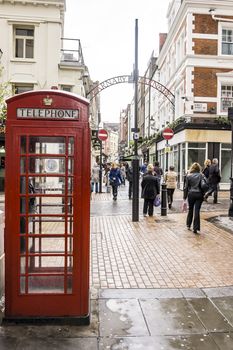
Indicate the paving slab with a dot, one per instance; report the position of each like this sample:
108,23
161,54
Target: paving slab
13,343
171,317
218,292
210,316
187,342
139,293
192,293
224,341
121,317
225,306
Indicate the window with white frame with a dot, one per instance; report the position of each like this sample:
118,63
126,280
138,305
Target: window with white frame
226,97
227,41
24,42
225,162
20,88
67,88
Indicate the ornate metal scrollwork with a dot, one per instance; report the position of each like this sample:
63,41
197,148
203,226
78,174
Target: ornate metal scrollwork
129,79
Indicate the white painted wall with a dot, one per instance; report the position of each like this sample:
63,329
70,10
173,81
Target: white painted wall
43,71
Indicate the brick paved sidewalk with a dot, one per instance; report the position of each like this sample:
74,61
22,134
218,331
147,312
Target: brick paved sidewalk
159,252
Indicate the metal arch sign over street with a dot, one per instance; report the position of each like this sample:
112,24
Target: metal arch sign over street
102,135
168,133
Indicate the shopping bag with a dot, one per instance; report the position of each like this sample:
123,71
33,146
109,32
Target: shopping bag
157,201
184,206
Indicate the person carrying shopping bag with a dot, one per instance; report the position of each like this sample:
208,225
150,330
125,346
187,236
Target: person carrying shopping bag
150,189
193,192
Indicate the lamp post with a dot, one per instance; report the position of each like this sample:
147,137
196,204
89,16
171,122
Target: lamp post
230,117
135,161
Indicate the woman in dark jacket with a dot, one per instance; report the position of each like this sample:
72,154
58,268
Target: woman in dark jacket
206,170
150,189
193,191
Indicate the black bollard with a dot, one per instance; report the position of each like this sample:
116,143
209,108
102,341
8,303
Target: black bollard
230,213
164,199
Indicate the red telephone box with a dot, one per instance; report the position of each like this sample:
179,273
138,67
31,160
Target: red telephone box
47,206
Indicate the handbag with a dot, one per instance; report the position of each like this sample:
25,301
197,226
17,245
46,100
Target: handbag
204,184
157,201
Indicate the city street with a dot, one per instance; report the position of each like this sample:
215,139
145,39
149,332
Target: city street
159,251
154,284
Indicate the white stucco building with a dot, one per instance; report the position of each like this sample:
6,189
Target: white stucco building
36,55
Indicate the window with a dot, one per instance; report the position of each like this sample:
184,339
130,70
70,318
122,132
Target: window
20,88
226,97
225,162
66,88
227,41
24,42
196,153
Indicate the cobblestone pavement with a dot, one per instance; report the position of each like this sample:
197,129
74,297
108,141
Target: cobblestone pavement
158,252
150,284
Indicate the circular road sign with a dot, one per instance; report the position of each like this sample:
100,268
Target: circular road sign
102,135
168,133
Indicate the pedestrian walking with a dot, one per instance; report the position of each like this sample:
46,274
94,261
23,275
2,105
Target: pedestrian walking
206,169
115,179
170,178
213,181
95,176
193,191
123,173
107,168
158,171
150,189
143,168
129,177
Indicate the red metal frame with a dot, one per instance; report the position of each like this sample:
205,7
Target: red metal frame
23,226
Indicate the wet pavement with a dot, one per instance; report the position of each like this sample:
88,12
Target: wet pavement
142,321
191,306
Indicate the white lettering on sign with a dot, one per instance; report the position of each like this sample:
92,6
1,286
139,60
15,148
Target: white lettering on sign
200,107
47,113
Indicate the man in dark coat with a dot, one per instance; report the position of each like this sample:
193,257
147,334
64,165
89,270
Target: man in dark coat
213,181
150,189
129,177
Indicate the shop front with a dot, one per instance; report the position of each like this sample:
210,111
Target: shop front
197,145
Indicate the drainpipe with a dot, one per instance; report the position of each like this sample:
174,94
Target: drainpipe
219,18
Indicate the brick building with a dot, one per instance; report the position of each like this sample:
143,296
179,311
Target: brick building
195,63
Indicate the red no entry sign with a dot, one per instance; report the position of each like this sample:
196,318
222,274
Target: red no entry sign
102,135
168,133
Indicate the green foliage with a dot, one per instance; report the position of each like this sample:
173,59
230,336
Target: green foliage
176,123
222,120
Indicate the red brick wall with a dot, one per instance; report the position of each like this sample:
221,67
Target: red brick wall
205,81
205,47
205,24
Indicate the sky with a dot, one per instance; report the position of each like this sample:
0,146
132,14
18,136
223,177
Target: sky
106,29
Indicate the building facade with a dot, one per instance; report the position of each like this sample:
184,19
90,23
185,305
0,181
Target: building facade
36,55
195,64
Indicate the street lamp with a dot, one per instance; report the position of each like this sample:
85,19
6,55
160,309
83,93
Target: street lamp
230,117
135,161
